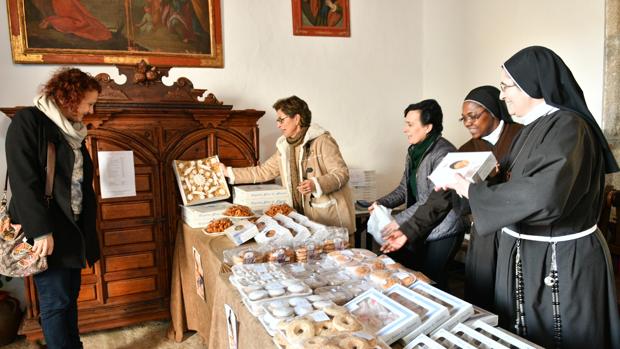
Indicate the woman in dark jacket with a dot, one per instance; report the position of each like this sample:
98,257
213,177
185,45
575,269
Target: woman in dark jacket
431,254
64,229
486,118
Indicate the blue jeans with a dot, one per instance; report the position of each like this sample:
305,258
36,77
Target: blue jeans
58,290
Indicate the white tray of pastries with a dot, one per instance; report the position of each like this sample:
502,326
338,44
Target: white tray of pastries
200,180
459,309
431,314
383,316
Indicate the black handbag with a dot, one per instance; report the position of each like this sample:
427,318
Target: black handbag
16,256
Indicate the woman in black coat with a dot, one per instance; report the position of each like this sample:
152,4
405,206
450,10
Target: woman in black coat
64,229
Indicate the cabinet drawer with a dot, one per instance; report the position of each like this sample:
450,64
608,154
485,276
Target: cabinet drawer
128,236
131,286
133,261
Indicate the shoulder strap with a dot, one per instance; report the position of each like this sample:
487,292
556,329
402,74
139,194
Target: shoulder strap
50,169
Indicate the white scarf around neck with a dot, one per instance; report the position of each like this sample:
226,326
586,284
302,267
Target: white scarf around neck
74,132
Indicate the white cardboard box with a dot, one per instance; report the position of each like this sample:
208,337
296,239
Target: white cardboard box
442,336
459,309
435,314
260,196
503,336
199,216
405,321
475,338
241,231
424,342
482,315
200,180
474,166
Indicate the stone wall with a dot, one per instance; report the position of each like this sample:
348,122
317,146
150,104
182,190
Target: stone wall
611,85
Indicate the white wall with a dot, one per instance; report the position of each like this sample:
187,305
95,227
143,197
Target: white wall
466,42
399,52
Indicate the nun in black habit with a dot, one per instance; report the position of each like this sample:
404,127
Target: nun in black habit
554,279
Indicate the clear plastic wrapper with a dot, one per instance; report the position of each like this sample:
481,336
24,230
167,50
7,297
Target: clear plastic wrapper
307,249
341,294
272,232
254,297
245,255
298,218
280,251
383,316
286,309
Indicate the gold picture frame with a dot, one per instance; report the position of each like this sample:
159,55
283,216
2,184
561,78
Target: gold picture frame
162,32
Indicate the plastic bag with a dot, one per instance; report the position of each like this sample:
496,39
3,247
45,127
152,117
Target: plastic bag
379,218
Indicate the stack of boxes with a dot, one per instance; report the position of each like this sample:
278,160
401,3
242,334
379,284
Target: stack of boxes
260,196
199,216
363,184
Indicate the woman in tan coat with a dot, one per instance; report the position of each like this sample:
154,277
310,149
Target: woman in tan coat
310,165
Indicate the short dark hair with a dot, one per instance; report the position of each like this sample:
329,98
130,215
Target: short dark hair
430,113
68,86
294,105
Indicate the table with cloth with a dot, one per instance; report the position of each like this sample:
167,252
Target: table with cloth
207,317
187,310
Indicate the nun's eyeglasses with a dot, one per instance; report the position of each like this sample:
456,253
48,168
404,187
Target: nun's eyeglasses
503,86
467,118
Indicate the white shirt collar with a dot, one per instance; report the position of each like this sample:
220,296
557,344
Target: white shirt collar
493,137
536,112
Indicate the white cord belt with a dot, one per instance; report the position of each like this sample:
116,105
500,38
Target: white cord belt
550,238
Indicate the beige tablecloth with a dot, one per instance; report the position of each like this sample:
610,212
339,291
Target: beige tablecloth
251,334
188,311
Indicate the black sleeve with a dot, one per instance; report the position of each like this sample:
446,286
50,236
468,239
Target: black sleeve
428,216
26,174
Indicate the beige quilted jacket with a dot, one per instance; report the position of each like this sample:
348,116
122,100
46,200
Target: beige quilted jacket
321,159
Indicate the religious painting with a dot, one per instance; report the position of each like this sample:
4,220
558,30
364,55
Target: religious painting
321,17
161,32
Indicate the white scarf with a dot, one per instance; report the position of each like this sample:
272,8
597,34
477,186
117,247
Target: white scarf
74,132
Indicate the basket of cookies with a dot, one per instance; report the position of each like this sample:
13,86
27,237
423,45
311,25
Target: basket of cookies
200,180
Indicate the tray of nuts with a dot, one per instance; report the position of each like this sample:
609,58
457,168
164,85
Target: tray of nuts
200,180
217,226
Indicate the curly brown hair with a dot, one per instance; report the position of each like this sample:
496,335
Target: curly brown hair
68,86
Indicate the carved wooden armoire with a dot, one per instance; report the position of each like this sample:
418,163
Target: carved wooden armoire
159,123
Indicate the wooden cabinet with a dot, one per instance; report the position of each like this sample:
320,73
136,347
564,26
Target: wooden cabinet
158,123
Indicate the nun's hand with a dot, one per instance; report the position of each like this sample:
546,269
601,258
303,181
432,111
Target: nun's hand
459,184
389,229
394,242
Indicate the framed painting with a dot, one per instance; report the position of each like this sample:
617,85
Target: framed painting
184,33
321,17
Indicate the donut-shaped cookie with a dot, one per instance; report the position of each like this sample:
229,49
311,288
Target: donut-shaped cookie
346,322
299,330
334,310
315,342
323,328
352,342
